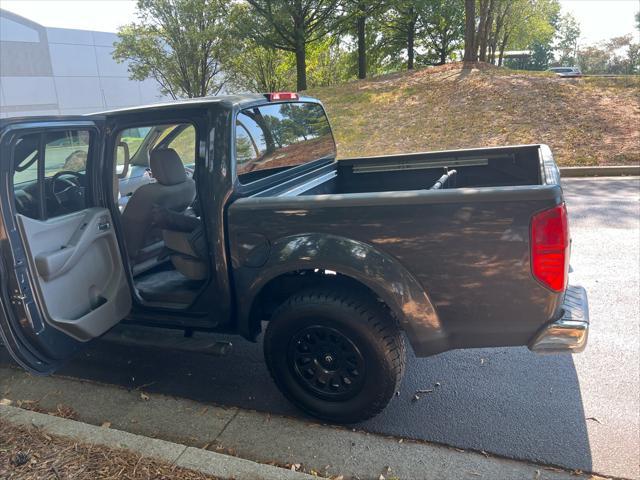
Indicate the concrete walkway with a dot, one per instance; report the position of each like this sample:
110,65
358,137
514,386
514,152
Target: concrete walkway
190,430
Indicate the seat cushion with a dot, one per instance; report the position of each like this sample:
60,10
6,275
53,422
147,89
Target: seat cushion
190,267
178,242
137,219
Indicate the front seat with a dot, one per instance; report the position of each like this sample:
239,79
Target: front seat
172,190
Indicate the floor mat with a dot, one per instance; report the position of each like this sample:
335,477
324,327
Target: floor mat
168,286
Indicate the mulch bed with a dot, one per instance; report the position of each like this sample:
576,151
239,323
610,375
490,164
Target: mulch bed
29,453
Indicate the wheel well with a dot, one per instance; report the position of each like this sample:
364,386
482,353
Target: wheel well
278,289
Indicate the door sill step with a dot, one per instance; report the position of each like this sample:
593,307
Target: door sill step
167,339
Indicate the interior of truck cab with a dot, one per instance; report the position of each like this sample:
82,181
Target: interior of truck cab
159,216
155,197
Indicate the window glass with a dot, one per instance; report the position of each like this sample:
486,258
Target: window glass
274,137
37,159
25,156
133,138
66,151
185,144
249,141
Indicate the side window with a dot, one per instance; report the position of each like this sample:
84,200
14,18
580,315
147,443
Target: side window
274,137
49,173
185,145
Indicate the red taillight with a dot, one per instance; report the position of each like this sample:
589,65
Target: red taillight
550,247
277,96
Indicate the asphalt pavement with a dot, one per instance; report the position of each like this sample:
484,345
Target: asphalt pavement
578,412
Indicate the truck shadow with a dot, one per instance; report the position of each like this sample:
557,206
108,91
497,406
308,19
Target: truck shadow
506,401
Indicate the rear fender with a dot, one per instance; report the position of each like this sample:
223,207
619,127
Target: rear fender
382,274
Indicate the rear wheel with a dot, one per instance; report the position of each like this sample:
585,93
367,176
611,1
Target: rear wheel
339,357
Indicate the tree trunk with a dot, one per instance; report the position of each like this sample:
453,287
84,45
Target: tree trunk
493,43
503,45
361,24
411,33
486,30
301,68
411,39
443,56
301,59
479,39
470,53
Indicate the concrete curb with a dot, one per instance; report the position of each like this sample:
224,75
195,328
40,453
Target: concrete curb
612,171
205,461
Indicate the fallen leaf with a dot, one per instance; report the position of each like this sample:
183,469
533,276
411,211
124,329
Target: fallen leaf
106,424
144,396
5,402
595,419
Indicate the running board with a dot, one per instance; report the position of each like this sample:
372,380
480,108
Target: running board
167,339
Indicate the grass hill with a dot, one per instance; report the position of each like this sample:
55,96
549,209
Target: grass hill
587,121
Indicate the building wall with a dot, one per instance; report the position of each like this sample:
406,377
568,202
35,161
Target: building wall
53,71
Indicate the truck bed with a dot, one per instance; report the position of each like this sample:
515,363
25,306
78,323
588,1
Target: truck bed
466,243
476,168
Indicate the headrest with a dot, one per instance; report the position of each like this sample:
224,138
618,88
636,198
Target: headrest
166,166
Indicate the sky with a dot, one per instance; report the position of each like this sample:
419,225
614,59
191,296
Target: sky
599,19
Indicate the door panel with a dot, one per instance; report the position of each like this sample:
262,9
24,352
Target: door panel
79,271
62,280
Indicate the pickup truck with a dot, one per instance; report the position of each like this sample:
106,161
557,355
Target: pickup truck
339,262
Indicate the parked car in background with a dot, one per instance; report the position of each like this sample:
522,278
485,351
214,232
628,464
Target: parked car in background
566,71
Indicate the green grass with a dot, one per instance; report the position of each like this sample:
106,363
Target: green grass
589,121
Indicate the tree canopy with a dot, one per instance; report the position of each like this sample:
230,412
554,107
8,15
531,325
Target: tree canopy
182,44
202,47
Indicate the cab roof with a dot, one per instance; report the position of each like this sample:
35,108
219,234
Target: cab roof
227,101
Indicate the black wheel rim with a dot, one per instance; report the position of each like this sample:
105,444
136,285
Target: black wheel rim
326,362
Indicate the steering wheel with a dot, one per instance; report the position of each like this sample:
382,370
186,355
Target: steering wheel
68,193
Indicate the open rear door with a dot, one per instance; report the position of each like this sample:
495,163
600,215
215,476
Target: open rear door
62,280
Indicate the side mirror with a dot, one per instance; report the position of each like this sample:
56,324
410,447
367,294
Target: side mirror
122,170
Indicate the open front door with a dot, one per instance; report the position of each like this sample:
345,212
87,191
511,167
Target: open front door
61,275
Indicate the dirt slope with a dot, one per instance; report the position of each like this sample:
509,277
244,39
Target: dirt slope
586,121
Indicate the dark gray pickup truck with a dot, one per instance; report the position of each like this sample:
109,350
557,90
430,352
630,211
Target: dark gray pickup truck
244,220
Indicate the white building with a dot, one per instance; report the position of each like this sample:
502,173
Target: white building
52,71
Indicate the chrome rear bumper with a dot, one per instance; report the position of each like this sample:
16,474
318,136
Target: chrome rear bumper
570,332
